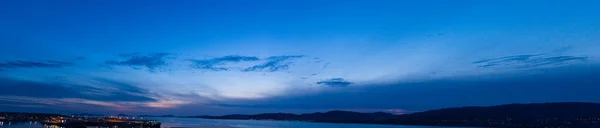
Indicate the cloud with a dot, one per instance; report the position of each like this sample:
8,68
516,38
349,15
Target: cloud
218,64
136,60
273,64
107,89
105,92
527,61
270,64
84,104
335,82
20,105
166,103
507,59
34,64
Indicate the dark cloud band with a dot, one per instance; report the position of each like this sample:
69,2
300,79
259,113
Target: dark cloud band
335,82
111,91
34,64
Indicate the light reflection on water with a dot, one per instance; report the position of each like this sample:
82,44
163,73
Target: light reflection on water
30,124
208,123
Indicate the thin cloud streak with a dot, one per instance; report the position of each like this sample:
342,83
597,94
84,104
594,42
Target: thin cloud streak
219,63
35,64
335,82
528,61
151,61
274,64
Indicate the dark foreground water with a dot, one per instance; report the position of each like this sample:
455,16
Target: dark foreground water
209,123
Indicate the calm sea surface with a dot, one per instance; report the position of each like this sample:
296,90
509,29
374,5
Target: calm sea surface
208,123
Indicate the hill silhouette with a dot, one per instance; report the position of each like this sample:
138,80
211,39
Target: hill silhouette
331,116
565,114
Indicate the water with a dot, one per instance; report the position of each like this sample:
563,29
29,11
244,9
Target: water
31,124
210,123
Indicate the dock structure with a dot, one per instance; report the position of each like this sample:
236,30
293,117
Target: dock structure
102,122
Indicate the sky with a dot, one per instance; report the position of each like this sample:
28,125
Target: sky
190,57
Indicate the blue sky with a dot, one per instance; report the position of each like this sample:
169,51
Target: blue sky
221,57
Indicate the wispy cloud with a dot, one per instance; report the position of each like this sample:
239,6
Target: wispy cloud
335,82
85,103
23,105
136,60
34,64
273,64
108,91
528,61
218,64
269,64
110,94
166,103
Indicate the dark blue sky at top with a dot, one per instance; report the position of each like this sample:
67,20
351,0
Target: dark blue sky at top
236,56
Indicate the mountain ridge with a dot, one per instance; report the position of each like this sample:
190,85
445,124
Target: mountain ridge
557,114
